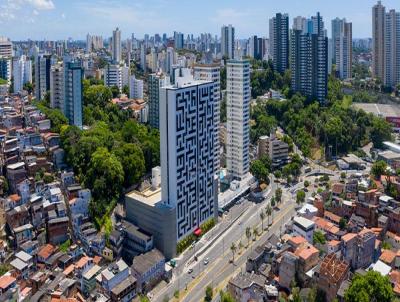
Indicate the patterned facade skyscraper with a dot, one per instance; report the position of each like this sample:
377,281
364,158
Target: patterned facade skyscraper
211,72
187,153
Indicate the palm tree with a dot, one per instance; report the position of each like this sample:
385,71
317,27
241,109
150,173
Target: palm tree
255,233
233,250
262,217
240,246
268,211
248,235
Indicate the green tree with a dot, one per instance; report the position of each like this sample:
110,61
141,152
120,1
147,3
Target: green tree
28,87
269,210
255,233
381,131
378,169
386,245
209,294
370,287
132,160
97,95
343,223
115,91
125,90
233,250
319,238
278,195
259,171
104,177
225,297
300,196
248,235
262,217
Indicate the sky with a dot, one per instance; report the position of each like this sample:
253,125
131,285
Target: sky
62,19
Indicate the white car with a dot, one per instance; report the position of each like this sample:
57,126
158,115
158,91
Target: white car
206,261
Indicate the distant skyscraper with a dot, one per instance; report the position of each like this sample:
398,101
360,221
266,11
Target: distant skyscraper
378,40
89,44
73,76
228,41
279,41
155,82
309,60
344,51
255,48
300,23
42,75
169,60
178,39
392,49
238,117
22,72
187,155
212,72
337,29
143,57
116,46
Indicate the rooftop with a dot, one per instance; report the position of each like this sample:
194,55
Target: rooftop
143,263
6,281
304,222
117,290
148,196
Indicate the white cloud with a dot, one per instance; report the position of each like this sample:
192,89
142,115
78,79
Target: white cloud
35,12
42,4
63,16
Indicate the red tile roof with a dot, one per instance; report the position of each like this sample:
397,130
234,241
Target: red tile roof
6,281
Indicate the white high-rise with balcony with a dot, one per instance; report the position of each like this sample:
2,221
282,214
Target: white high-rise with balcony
238,117
22,72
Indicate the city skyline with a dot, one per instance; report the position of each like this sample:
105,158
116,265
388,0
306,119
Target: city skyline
55,19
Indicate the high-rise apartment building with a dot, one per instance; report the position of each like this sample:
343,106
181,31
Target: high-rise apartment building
309,60
228,41
6,47
73,76
255,48
169,60
22,72
155,82
344,51
42,75
135,88
279,41
337,30
187,157
378,40
238,117
143,57
116,75
57,86
5,69
392,49
116,46
178,40
386,45
212,72
299,23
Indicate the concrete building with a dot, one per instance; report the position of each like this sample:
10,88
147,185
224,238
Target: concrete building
274,148
255,48
170,60
42,75
238,118
392,49
279,41
22,72
228,41
116,46
247,287
309,60
344,50
5,70
187,161
304,227
378,40
6,47
332,273
57,86
336,28
116,75
212,73
178,40
135,88
73,92
155,82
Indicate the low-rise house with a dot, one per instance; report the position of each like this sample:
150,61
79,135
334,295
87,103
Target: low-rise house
287,269
388,257
148,269
332,273
247,287
8,287
89,279
22,234
304,227
45,253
